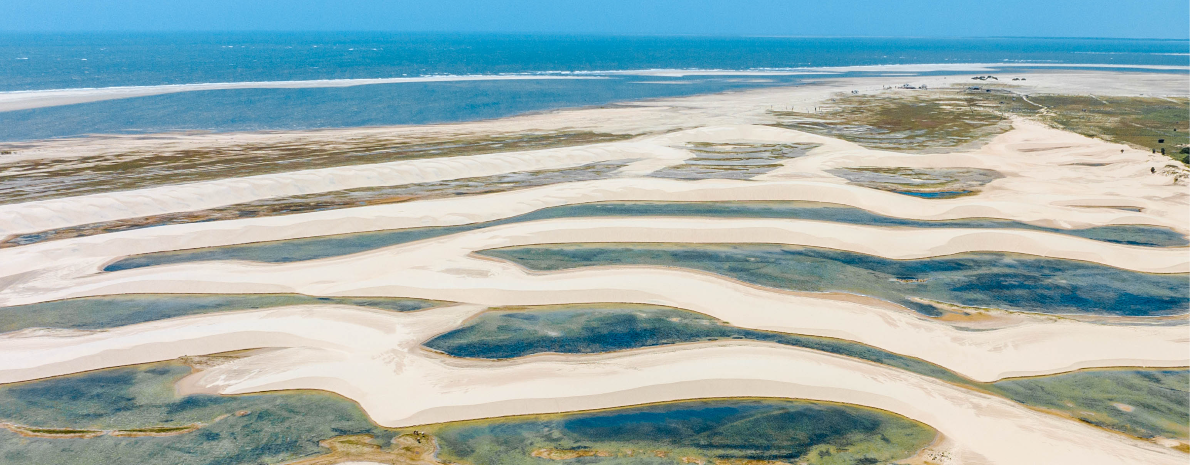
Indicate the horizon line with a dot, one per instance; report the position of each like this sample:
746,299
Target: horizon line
561,34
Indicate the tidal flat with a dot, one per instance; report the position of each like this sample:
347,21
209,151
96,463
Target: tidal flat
286,426
42,179
914,120
1006,281
943,119
332,200
716,161
931,183
120,310
331,246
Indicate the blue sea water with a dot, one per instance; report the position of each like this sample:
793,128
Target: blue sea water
42,62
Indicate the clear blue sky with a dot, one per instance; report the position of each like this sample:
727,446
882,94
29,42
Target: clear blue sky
1168,19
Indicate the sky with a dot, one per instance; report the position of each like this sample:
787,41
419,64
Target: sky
1165,19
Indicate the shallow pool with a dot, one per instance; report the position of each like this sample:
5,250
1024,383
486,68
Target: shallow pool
330,246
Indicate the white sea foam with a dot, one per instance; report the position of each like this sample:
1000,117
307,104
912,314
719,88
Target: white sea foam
27,99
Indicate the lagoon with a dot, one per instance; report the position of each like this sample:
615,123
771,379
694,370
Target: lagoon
331,246
1005,281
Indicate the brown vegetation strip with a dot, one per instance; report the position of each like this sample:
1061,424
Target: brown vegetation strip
40,179
407,449
331,201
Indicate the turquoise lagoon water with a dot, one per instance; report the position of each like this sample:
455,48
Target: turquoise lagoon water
991,280
276,427
54,61
596,328
45,61
1141,402
331,246
119,310
1159,399
742,429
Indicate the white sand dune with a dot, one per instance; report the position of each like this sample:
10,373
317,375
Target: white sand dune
1043,187
657,152
373,356
443,269
99,249
1014,152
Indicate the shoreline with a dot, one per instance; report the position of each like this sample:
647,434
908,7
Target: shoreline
14,100
374,357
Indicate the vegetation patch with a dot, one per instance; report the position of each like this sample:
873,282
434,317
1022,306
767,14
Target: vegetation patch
332,200
916,121
414,448
40,179
120,310
1160,124
1148,403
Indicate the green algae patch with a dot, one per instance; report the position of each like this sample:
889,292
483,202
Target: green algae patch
145,421
120,310
696,431
157,426
1006,281
1146,403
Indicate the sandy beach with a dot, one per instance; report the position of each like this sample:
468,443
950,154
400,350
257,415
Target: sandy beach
1047,177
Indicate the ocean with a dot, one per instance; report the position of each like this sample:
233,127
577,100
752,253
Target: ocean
548,72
